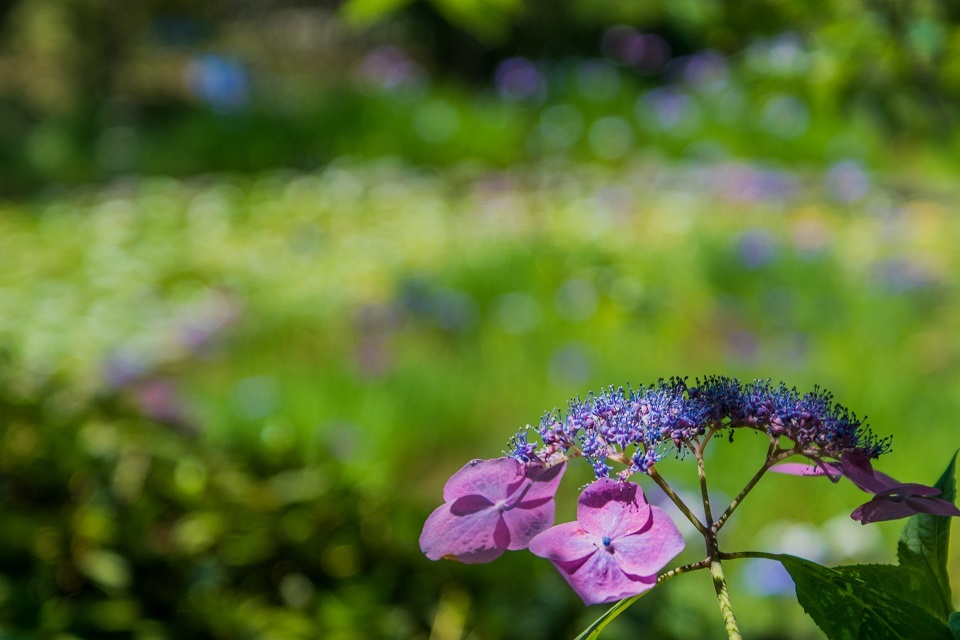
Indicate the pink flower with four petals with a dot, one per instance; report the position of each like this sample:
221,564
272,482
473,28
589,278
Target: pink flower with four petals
491,506
617,545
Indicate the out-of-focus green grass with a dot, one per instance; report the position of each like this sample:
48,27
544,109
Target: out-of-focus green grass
382,326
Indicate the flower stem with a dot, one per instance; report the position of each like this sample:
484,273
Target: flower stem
702,473
739,555
693,566
713,550
771,460
723,597
667,489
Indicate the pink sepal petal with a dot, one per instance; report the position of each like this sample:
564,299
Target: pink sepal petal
880,510
471,538
566,542
934,506
803,469
911,489
649,550
599,579
857,468
883,508
469,504
491,479
612,508
545,482
524,523
491,506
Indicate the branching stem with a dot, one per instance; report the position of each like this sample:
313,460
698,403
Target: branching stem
773,457
667,489
702,474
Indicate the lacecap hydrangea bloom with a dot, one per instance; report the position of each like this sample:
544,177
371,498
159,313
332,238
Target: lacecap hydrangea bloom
620,543
643,425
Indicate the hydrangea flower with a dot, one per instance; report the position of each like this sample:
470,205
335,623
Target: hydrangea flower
892,499
617,545
641,425
491,506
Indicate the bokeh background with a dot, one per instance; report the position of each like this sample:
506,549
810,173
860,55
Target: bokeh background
272,271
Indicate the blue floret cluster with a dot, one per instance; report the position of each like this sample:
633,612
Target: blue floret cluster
640,426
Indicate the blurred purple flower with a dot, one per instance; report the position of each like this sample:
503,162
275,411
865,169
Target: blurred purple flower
706,70
518,79
159,399
671,109
646,52
847,181
389,68
899,275
757,248
617,545
744,183
123,367
491,506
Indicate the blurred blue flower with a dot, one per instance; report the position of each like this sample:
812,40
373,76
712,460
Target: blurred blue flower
668,109
756,248
768,578
221,82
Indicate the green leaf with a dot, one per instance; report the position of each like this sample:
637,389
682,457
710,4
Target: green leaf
593,631
906,583
366,12
847,608
924,544
488,20
954,624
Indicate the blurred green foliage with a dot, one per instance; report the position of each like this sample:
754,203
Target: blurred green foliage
228,405
332,251
173,88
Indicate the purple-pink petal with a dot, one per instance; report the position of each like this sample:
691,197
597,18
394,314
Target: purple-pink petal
527,520
894,507
493,479
471,538
616,547
880,510
646,552
566,542
802,469
933,506
612,508
491,506
857,468
599,579
911,489
545,482
469,504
